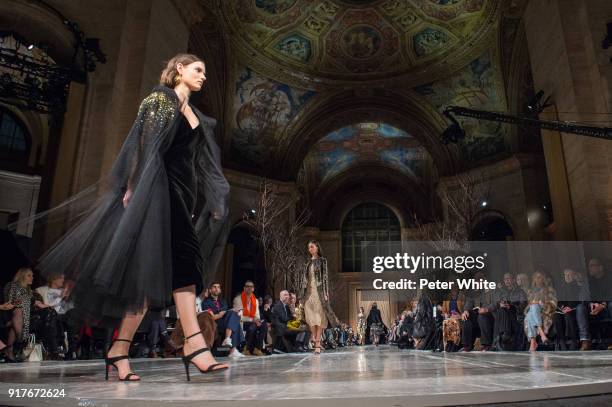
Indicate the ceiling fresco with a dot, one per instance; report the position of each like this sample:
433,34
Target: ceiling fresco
478,85
261,110
289,58
348,40
366,143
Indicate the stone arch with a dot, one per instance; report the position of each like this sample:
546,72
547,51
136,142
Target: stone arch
402,194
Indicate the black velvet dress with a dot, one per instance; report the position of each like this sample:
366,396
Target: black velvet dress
187,260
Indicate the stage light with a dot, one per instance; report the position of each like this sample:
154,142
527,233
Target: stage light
484,204
31,47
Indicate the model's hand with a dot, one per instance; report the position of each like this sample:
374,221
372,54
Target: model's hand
465,315
566,310
483,310
127,197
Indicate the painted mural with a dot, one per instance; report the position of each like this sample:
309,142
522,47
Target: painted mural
328,38
474,86
262,109
361,41
274,6
367,143
296,47
429,41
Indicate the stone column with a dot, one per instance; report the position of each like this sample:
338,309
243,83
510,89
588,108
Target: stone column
154,32
564,40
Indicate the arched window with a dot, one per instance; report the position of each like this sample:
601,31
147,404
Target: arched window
14,138
370,222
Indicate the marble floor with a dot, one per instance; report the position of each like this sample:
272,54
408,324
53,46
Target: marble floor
361,376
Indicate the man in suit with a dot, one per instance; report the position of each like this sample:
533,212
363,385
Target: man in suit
281,314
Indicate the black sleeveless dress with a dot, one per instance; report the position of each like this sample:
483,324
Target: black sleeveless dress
187,260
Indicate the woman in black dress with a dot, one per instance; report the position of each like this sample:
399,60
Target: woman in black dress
161,226
187,261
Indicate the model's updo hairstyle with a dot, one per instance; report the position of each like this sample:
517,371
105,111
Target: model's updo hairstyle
169,74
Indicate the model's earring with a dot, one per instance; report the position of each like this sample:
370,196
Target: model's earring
177,79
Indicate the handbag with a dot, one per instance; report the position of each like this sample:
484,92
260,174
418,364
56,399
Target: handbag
33,351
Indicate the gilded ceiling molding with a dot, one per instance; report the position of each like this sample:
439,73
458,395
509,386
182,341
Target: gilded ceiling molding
306,44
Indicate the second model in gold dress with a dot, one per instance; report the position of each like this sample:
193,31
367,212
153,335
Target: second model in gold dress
313,308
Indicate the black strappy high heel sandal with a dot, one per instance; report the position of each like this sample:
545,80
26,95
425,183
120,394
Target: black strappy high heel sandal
112,361
189,359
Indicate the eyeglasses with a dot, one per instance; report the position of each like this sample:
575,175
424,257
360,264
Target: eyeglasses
249,286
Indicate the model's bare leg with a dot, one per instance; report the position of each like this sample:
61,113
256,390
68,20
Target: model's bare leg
129,325
184,298
313,334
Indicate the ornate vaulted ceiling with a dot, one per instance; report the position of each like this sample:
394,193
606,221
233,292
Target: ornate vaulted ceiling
332,42
313,89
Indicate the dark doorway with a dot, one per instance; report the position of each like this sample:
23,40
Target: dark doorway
248,263
492,228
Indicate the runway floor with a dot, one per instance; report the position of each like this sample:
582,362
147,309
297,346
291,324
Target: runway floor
360,376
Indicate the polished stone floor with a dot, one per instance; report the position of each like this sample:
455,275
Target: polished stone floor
367,376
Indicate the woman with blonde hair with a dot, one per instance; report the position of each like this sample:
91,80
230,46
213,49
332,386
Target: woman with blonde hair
19,293
542,301
159,229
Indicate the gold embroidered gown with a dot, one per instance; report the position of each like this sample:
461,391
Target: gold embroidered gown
313,309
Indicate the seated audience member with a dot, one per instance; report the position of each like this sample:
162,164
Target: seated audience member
571,319
509,303
600,307
541,305
298,324
452,308
522,281
265,311
200,298
30,315
55,294
255,329
284,338
228,321
477,318
6,310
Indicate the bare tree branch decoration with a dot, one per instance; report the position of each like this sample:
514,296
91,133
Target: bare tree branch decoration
278,233
463,204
